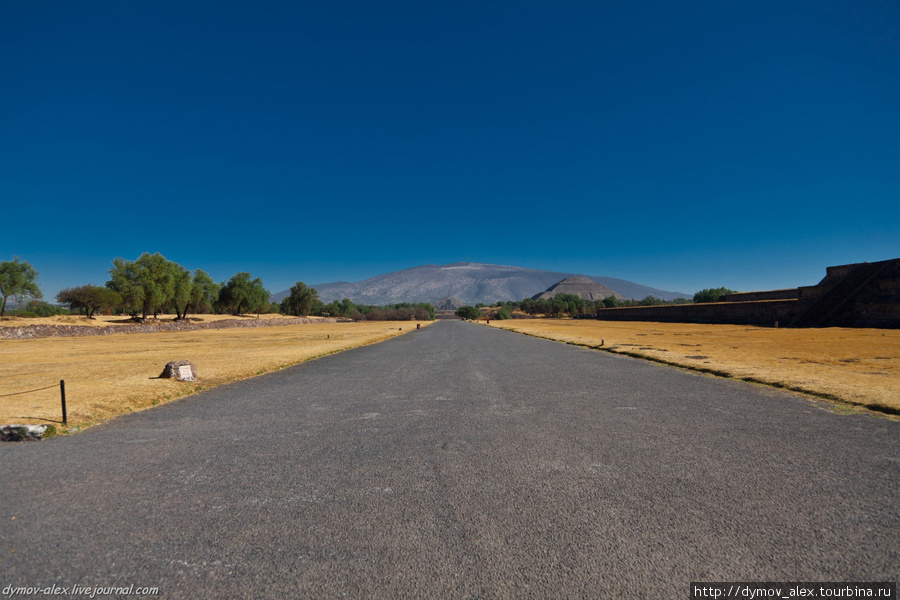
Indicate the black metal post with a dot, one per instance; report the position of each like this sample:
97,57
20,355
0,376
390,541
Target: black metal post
62,394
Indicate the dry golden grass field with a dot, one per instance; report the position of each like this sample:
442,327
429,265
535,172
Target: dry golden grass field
104,320
853,366
109,375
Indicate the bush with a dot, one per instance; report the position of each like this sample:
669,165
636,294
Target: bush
468,312
43,309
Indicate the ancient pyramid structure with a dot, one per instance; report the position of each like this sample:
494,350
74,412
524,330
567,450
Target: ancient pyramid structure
448,303
579,286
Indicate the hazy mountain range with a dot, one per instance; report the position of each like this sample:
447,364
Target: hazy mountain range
470,282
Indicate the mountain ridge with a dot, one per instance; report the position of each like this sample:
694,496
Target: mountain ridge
471,282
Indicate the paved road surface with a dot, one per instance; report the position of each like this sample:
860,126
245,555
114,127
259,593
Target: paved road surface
458,462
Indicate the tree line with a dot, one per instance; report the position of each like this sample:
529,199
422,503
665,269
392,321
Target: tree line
564,305
152,285
573,305
303,300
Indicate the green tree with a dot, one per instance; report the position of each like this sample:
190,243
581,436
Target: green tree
652,301
71,297
427,308
18,280
610,302
468,312
204,292
712,294
332,309
158,279
146,284
89,298
556,306
181,291
242,294
528,306
124,280
303,299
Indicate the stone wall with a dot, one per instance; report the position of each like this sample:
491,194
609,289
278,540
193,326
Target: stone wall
763,313
857,295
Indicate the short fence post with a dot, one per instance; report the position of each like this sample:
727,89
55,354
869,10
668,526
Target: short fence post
62,394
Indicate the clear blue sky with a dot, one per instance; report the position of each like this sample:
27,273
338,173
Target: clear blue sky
681,145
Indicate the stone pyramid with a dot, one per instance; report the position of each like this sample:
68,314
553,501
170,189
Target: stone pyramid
579,286
448,303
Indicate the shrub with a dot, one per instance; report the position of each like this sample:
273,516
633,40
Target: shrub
468,312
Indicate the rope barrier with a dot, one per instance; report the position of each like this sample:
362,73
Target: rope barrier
29,391
62,397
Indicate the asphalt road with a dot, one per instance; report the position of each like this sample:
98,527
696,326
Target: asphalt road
458,462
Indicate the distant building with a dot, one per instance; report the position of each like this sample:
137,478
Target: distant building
448,303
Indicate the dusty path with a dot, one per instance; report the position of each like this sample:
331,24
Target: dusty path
458,462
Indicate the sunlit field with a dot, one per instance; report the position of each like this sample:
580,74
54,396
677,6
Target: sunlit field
109,375
853,366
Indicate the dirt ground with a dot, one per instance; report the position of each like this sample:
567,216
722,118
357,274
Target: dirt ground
110,375
854,366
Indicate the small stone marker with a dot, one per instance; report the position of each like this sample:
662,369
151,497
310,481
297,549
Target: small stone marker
182,370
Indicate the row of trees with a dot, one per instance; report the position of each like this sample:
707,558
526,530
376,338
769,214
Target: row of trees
153,285
712,294
304,300
403,311
570,304
149,285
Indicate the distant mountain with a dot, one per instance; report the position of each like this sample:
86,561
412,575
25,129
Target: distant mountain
468,282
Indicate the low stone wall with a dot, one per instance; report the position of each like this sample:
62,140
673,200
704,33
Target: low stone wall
763,313
43,331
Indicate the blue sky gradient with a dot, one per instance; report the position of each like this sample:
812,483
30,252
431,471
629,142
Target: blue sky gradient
681,145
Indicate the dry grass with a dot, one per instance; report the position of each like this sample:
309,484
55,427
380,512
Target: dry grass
854,366
110,375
